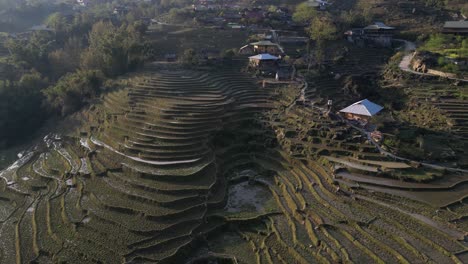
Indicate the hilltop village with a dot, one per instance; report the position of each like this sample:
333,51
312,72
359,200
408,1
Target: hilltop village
216,131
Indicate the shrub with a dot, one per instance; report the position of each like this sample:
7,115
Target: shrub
20,107
73,90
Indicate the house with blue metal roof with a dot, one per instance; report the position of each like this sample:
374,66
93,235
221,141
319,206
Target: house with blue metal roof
362,110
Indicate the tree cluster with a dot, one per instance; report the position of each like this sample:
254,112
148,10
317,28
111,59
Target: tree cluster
319,26
58,71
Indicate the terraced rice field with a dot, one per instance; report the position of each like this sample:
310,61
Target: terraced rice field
192,167
450,99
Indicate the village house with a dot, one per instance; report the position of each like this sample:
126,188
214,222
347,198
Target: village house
82,2
264,46
377,34
318,4
456,27
266,63
363,110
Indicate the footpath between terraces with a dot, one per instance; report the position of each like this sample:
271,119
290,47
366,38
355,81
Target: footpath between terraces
405,64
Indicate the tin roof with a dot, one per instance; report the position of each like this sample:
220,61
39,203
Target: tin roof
364,107
456,24
264,43
264,56
379,25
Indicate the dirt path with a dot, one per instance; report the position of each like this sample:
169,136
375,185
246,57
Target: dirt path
410,48
454,233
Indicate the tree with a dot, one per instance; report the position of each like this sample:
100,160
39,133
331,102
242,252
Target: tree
66,59
190,57
228,54
111,48
32,53
73,90
21,107
304,13
139,27
272,8
321,30
58,22
365,8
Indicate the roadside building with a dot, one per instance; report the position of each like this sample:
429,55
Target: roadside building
362,110
377,34
456,27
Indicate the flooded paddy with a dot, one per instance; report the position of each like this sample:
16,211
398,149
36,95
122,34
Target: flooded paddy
247,197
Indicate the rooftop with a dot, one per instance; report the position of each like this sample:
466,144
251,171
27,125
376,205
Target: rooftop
316,3
379,25
456,24
264,56
264,43
364,107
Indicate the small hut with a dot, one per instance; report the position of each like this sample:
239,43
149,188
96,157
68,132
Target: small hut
362,110
456,27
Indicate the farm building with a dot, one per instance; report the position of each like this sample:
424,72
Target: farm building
362,110
260,47
264,62
376,34
455,27
266,46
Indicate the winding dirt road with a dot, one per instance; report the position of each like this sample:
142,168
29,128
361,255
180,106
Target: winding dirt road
410,48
